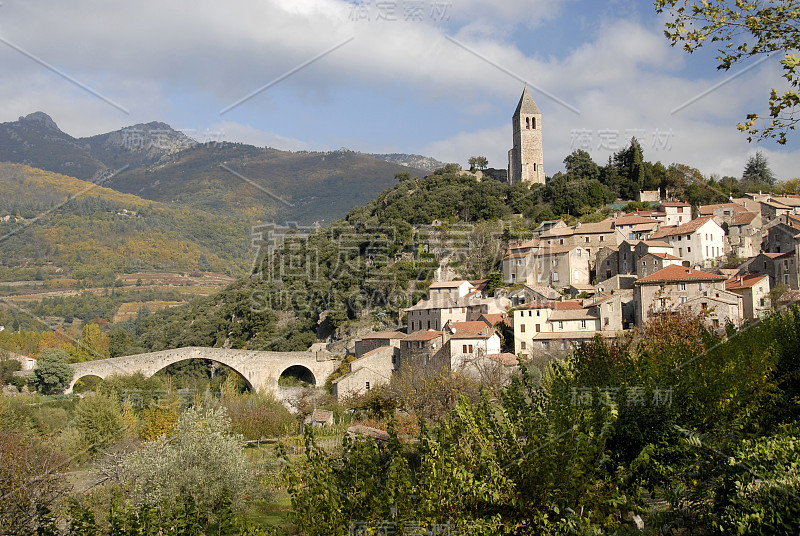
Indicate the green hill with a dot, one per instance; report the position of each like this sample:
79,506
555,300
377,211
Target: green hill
67,227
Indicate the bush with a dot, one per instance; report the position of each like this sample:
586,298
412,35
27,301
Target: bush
52,374
98,418
202,459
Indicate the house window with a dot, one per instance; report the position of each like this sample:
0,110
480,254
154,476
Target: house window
538,328
683,299
704,306
560,324
688,250
545,345
470,348
367,386
533,122
583,324
700,286
429,324
464,349
680,252
602,238
408,344
555,276
522,328
394,360
681,286
561,242
587,239
715,322
563,345
522,345
786,279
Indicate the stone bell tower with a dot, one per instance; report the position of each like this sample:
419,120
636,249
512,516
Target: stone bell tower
526,158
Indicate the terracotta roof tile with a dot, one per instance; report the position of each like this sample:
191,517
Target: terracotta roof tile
678,273
744,281
687,228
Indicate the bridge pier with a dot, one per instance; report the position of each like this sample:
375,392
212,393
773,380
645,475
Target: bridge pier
260,369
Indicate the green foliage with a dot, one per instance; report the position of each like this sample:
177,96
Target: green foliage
709,424
31,483
98,418
202,459
52,374
744,30
757,170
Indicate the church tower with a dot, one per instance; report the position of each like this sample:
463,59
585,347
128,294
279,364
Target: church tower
526,158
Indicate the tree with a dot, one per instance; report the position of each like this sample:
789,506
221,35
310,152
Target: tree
31,481
52,374
201,459
478,162
744,30
580,165
98,418
93,344
757,169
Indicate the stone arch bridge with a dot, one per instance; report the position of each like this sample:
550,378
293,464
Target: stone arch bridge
261,370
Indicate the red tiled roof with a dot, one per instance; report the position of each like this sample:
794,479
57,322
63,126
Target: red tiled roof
687,228
678,273
743,218
675,204
493,319
423,335
632,220
656,244
667,256
504,359
744,281
706,210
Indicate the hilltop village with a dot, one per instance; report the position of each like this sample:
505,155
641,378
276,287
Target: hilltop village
572,283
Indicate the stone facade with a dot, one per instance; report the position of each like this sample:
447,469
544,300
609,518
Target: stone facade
526,157
260,369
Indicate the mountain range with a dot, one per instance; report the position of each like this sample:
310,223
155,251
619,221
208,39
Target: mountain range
155,162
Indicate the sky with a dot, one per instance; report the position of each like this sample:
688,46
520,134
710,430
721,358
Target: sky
439,78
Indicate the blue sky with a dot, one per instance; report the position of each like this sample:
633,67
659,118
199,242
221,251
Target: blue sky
434,77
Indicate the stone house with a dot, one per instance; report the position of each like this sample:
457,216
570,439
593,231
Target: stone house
425,348
434,314
680,286
635,227
700,241
771,209
373,368
653,262
744,234
781,233
378,339
590,236
724,211
470,342
561,266
754,290
676,212
764,263
545,327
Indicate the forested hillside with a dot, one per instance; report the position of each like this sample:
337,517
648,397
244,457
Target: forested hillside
58,226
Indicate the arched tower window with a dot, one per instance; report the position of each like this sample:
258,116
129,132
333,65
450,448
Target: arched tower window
533,122
527,122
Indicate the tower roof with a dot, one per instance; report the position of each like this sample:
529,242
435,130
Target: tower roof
526,104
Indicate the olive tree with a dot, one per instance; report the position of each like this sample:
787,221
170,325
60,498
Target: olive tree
202,459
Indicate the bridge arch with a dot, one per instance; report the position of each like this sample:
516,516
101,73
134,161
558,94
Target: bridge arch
261,370
300,372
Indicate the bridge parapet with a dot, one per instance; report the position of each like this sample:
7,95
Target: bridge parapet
260,369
